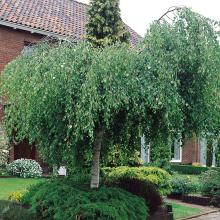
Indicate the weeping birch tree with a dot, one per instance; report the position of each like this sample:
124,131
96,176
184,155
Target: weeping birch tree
68,98
71,98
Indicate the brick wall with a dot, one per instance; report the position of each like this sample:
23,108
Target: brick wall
12,42
190,151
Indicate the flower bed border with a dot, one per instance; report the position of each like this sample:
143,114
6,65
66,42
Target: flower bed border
197,199
192,199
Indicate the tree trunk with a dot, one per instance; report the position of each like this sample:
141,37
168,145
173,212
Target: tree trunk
96,158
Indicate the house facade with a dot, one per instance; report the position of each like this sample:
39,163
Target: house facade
188,152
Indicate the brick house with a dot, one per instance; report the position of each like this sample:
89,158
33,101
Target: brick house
27,22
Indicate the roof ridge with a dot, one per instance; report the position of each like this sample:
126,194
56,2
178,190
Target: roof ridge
82,3
58,19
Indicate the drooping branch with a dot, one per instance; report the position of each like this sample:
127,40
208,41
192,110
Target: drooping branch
171,9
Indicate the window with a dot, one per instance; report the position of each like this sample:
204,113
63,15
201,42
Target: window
176,151
28,47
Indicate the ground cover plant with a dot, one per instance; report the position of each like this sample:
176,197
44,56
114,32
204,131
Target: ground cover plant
49,200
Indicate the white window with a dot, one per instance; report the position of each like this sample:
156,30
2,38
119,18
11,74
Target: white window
176,152
28,48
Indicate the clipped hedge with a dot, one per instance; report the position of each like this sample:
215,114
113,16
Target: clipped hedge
143,189
189,169
157,176
60,200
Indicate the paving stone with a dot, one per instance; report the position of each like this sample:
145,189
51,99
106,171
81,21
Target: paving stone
211,216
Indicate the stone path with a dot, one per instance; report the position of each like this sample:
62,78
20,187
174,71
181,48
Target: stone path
211,216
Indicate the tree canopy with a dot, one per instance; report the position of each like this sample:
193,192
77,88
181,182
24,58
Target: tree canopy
105,26
61,96
71,98
188,46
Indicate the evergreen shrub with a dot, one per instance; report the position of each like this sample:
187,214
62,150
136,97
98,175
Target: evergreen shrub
156,176
25,168
184,185
60,200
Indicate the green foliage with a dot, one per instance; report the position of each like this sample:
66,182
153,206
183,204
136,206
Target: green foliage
187,50
160,153
24,168
121,156
209,152
184,185
4,148
60,108
218,153
189,169
211,183
13,211
16,196
158,177
141,188
105,25
66,92
60,96
64,200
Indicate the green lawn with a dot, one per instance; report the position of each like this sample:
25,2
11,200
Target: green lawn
9,185
181,211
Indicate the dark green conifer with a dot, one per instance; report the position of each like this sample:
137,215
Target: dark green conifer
105,25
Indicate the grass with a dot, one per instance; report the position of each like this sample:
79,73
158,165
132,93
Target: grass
9,185
181,211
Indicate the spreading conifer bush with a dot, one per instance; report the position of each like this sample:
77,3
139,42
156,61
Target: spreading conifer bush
65,200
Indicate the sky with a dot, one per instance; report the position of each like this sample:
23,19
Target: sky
138,14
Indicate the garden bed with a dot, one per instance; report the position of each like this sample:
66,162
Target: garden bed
197,199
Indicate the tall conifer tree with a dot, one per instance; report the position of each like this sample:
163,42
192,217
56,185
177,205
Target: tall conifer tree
105,25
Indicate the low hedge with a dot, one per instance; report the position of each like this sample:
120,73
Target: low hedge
189,169
156,176
143,189
61,199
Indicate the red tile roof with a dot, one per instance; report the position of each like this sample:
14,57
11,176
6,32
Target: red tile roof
62,17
